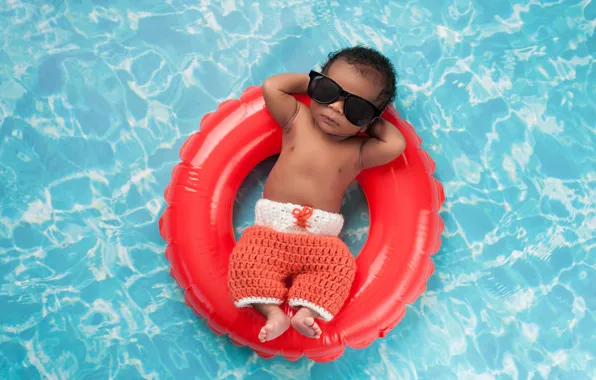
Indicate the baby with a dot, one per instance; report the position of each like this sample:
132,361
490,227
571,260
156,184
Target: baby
293,251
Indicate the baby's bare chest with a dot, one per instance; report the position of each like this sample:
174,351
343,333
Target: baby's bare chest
329,160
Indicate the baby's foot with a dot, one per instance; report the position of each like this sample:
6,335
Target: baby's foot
277,323
304,322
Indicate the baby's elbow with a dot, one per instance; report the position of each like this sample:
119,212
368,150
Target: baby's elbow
392,151
270,91
398,147
267,86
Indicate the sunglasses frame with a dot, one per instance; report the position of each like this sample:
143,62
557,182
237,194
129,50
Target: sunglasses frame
313,74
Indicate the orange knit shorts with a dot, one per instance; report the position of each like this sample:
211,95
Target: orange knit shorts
266,259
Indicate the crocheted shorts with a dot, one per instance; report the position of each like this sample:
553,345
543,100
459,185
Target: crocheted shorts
296,244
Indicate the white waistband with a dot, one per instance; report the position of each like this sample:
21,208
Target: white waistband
281,217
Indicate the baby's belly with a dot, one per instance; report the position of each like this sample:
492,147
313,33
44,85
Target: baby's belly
320,193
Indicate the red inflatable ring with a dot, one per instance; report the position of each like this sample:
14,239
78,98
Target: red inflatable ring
392,268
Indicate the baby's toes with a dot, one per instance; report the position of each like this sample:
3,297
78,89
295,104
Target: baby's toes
263,334
317,330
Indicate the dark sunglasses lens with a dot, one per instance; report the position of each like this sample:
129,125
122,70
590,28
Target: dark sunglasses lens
323,90
359,112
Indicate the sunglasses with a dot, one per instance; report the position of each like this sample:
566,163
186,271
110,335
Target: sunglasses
357,110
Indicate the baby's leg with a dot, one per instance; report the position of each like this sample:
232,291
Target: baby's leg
321,292
254,281
277,321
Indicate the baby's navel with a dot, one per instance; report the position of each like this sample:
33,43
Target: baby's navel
339,170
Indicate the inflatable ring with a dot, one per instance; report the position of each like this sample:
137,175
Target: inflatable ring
392,268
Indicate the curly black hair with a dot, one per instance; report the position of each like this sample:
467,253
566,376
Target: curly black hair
370,58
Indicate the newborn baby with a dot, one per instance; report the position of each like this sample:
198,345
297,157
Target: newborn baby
297,223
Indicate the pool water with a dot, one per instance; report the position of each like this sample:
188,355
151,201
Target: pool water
96,100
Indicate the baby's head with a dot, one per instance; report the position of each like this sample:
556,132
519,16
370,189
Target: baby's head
359,71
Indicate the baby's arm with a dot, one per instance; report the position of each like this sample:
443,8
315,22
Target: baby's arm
278,90
385,144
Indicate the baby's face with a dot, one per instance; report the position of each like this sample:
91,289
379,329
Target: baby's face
330,117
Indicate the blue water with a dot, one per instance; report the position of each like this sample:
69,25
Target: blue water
96,100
